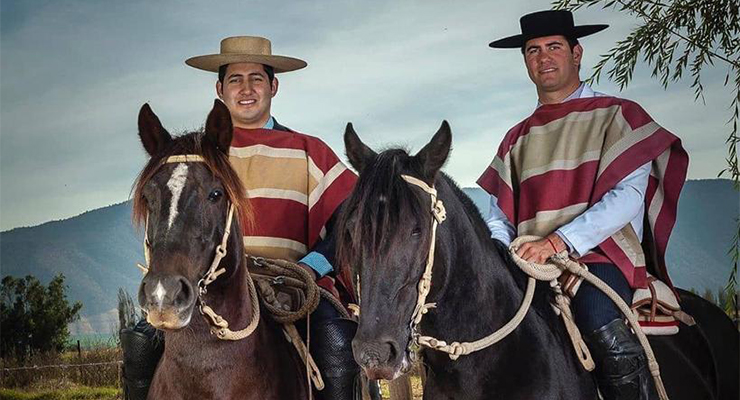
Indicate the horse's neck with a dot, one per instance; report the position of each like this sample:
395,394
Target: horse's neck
472,277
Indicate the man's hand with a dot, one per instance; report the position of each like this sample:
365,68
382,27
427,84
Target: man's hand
539,251
309,269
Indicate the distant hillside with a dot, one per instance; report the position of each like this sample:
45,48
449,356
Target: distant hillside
97,250
697,251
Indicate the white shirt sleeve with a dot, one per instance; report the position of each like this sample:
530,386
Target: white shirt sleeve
619,207
499,225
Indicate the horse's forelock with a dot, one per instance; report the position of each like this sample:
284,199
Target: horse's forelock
380,197
216,161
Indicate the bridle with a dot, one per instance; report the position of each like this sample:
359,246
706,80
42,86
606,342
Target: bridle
454,349
219,326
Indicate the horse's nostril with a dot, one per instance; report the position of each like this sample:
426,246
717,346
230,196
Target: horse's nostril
185,292
392,350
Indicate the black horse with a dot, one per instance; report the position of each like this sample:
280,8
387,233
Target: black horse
385,237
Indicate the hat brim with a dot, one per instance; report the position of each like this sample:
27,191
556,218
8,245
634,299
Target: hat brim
518,41
213,62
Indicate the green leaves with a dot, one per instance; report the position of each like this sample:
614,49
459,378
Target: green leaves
34,317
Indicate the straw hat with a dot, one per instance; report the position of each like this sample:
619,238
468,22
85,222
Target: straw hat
546,23
245,49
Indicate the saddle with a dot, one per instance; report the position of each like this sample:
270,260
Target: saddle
656,307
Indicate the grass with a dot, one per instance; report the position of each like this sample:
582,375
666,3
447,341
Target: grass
416,388
75,393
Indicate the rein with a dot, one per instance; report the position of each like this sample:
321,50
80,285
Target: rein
454,349
546,272
219,326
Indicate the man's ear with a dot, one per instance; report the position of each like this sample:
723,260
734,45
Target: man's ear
577,54
220,90
274,86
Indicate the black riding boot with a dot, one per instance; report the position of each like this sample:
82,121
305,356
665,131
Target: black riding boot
331,348
142,348
621,365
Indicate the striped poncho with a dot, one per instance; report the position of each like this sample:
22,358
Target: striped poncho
294,183
561,160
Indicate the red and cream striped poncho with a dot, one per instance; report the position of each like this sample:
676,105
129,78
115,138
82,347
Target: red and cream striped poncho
294,183
561,160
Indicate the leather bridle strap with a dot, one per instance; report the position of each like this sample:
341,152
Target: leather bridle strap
219,326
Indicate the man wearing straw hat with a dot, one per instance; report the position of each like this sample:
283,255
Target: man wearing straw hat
295,183
594,176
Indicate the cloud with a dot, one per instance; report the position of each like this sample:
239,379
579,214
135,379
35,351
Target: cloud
74,75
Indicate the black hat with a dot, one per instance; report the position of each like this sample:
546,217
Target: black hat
546,23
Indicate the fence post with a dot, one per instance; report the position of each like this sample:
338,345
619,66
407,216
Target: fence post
79,350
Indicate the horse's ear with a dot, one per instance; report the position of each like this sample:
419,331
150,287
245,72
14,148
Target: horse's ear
153,135
434,155
218,126
358,153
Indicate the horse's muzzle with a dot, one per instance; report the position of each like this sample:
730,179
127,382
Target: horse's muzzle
168,300
381,358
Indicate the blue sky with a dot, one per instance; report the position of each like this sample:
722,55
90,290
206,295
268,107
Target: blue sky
73,75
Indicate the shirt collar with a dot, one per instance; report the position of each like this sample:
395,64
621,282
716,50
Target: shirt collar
575,95
270,124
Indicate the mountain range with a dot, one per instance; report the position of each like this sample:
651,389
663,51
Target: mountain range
97,250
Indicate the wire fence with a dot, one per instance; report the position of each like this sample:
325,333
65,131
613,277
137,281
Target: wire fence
94,370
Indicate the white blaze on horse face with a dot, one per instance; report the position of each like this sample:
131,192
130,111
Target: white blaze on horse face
159,293
176,183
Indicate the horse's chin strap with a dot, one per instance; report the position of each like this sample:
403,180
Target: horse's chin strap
219,326
454,349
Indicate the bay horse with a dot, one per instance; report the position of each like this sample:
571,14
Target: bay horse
185,194
385,240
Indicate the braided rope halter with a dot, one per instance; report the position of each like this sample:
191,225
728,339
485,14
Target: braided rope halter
454,349
219,325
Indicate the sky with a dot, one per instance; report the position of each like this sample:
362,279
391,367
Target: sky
73,75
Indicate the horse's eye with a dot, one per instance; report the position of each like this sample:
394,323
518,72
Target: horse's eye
215,195
416,232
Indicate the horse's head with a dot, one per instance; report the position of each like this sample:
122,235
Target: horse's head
385,237
185,202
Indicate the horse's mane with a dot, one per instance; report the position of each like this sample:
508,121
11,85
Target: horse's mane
194,142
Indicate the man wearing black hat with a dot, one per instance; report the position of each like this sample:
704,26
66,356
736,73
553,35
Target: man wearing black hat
597,178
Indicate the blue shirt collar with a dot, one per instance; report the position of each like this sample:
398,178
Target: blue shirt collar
270,124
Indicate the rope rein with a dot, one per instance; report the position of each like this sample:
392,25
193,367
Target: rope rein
547,272
561,262
454,349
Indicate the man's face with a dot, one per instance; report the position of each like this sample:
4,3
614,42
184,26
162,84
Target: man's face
247,92
552,65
